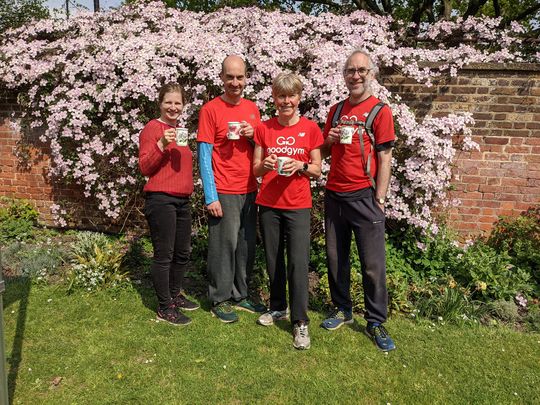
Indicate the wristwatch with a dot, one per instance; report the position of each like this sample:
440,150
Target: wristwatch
304,168
381,200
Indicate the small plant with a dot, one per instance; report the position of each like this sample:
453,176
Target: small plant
506,311
520,237
532,319
17,219
446,304
39,260
96,263
491,274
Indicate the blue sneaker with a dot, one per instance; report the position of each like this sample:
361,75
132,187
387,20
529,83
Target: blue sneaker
337,318
380,337
249,306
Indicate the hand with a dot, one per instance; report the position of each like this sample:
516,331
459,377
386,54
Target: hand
292,166
214,209
270,162
381,206
333,136
246,130
169,135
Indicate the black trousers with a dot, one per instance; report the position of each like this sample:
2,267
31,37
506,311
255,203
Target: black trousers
287,229
169,219
365,218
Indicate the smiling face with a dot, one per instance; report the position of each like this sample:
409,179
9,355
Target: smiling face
171,107
286,104
233,76
359,84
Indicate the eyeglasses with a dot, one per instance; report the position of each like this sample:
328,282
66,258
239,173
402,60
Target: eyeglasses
361,71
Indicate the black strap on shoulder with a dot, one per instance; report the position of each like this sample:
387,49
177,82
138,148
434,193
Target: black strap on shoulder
370,118
368,127
337,113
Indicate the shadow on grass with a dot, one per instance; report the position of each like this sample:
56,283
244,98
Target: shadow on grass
194,286
17,289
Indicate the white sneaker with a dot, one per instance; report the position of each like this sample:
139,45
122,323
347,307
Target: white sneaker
301,340
269,317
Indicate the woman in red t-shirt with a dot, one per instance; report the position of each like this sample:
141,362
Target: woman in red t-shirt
290,143
167,206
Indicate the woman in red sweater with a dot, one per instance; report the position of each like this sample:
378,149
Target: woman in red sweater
167,205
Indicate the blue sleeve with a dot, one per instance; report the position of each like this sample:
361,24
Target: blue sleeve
204,151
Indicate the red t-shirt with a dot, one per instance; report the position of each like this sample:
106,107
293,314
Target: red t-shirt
347,168
170,171
296,142
231,160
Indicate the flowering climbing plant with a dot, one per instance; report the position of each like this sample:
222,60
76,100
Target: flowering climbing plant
89,85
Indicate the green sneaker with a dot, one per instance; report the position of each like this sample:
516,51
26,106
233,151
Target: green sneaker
224,312
249,306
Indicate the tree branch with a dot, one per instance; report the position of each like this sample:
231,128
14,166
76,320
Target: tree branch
497,8
474,7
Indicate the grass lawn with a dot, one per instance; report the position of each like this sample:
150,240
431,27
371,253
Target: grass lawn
106,348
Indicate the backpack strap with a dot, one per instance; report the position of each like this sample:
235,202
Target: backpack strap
337,113
369,131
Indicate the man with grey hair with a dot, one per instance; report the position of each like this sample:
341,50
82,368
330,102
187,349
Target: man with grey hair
229,192
359,136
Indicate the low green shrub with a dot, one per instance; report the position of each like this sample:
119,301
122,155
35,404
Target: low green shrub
532,318
17,219
491,274
96,263
506,311
138,257
446,304
39,260
520,237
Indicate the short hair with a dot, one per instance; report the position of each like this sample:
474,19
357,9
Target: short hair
372,64
287,83
171,87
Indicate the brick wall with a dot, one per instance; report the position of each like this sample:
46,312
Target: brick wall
503,178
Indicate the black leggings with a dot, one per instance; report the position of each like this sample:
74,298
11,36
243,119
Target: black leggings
169,219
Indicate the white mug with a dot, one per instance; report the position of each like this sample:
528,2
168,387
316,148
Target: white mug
281,160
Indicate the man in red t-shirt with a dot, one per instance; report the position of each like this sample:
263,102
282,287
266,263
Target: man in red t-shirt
229,190
354,204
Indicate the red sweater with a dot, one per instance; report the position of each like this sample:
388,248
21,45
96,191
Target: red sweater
170,171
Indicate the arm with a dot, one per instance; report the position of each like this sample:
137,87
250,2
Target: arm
204,151
150,152
332,138
262,166
383,173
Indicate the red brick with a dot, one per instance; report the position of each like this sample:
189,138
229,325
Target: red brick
496,140
517,149
532,141
502,108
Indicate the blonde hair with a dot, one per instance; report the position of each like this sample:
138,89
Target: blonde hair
287,83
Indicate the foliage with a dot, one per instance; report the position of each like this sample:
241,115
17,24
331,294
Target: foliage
138,257
96,263
507,311
15,13
532,319
491,274
414,11
520,237
17,219
39,260
448,304
90,85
